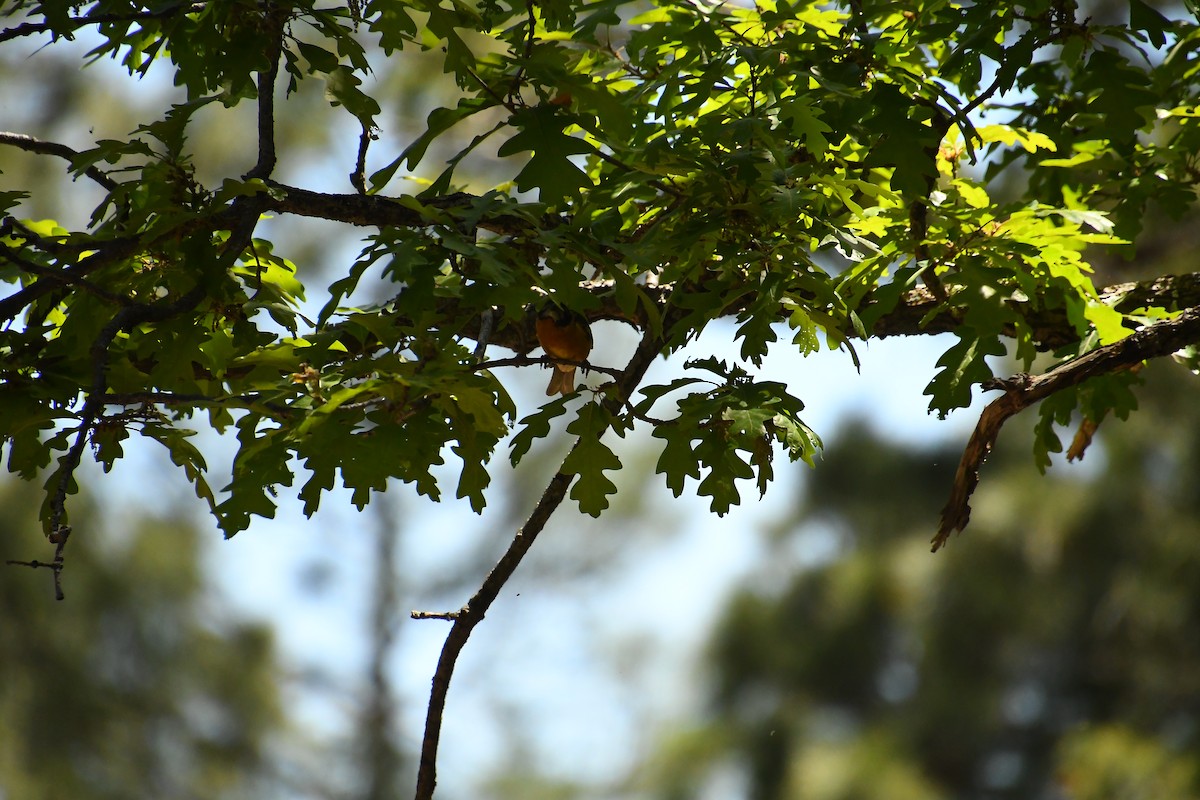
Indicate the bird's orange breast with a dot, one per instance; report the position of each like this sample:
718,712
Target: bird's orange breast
569,337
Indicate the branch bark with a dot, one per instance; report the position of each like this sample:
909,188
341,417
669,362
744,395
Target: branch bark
123,320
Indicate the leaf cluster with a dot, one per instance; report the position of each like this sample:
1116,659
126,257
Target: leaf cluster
668,165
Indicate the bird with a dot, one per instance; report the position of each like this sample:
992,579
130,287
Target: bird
564,334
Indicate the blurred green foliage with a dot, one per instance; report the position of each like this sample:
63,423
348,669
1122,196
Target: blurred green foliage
1052,652
138,686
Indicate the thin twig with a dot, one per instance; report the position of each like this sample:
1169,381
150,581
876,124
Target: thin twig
59,538
358,178
505,102
110,252
658,423
655,183
530,38
471,614
251,401
447,615
531,361
124,319
487,323
246,211
56,246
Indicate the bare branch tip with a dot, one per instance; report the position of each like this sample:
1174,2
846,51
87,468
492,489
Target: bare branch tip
449,616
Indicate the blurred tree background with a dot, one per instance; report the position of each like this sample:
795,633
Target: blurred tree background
140,687
1052,652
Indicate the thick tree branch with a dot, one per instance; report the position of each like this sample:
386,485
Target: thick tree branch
378,211
471,614
918,312
1152,341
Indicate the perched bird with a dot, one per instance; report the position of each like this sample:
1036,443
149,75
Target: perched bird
565,334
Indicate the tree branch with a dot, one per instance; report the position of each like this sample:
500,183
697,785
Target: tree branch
60,277
526,361
34,145
471,614
103,252
379,211
246,212
111,251
919,311
75,23
358,178
248,401
124,319
266,98
1152,341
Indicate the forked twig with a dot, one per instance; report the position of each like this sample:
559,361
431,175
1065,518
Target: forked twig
1152,341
